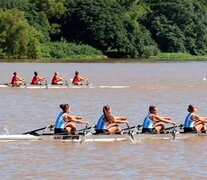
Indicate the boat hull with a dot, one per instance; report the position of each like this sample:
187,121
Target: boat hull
49,86
101,138
69,138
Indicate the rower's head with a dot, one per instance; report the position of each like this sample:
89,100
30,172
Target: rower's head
192,108
56,73
15,73
65,108
106,109
153,109
35,73
76,73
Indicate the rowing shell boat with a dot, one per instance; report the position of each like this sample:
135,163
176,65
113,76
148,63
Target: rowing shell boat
70,85
48,86
88,135
101,138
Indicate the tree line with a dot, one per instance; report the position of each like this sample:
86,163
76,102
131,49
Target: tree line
116,28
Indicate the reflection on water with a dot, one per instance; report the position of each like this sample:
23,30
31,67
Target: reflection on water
170,86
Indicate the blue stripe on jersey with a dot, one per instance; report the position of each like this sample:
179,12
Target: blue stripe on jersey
148,123
189,123
59,121
101,123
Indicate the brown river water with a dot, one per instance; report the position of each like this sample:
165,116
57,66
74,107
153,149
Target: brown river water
169,86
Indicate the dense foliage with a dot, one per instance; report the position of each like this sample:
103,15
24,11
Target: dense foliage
17,38
117,28
178,26
68,50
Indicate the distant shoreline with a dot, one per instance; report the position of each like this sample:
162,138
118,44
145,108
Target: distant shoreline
161,57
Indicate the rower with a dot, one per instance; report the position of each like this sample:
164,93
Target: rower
56,80
65,122
16,80
154,123
108,123
77,80
194,122
37,80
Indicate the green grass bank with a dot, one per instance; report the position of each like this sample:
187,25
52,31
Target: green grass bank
100,58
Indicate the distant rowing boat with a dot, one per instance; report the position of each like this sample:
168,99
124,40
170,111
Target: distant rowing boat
70,85
48,86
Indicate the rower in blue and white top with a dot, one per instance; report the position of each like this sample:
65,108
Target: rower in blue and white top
108,123
154,122
194,122
65,122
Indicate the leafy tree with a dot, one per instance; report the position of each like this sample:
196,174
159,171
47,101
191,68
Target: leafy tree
104,25
53,10
127,4
178,26
42,14
17,37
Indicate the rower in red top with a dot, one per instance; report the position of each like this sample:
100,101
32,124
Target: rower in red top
16,80
77,80
37,80
56,80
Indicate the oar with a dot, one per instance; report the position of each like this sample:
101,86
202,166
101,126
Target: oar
87,83
48,127
133,127
181,126
85,132
130,133
33,132
169,128
88,128
174,132
66,83
46,84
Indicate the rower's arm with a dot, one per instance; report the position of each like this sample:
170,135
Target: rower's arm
77,117
79,121
199,118
168,118
74,119
19,79
58,79
120,120
42,78
164,120
81,78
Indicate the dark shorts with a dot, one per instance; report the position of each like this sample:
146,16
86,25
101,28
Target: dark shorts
148,130
60,131
101,131
187,130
